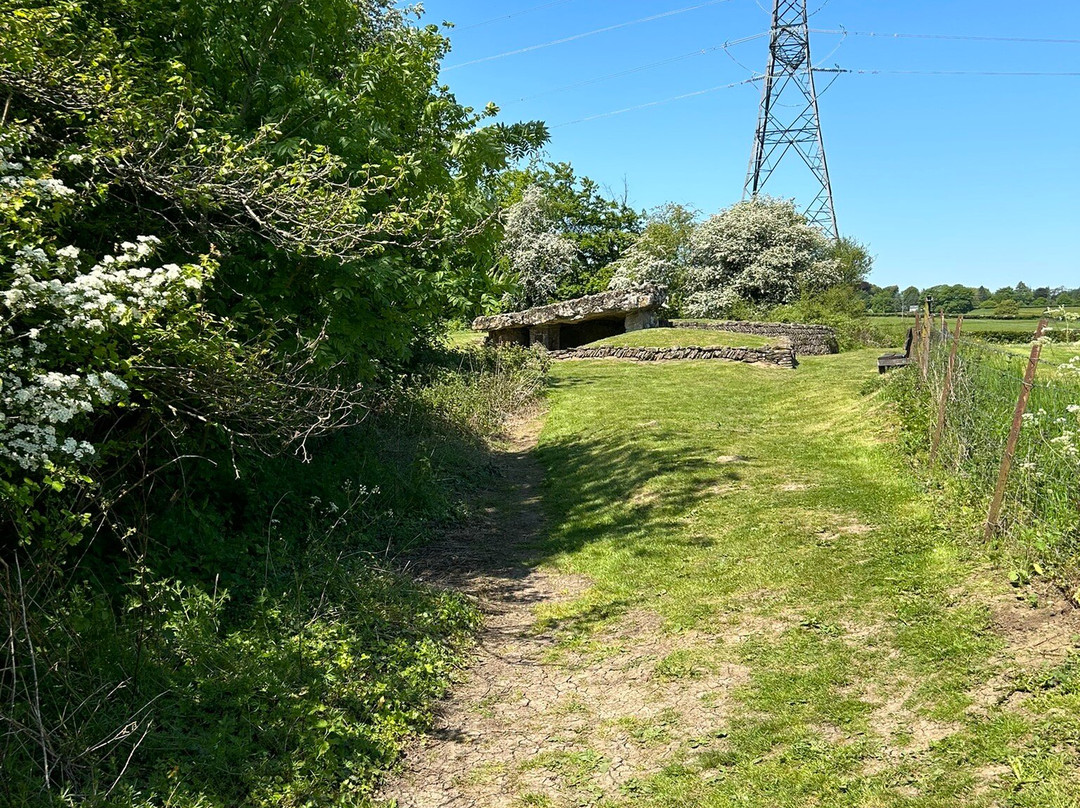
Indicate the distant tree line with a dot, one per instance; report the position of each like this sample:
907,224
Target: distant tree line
960,299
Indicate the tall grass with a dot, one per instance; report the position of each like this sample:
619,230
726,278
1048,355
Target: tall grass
1040,520
254,641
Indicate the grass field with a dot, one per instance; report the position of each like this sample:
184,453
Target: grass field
973,327
465,338
874,654
684,337
1057,353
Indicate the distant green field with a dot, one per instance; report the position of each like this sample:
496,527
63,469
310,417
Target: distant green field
1026,312
971,326
683,337
1057,353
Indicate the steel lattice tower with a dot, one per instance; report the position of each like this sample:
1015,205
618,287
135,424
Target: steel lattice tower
789,119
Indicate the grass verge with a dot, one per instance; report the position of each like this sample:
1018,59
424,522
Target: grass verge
770,515
683,338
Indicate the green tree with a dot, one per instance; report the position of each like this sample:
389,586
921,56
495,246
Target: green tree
886,300
853,259
309,144
954,299
1007,309
661,254
600,227
910,297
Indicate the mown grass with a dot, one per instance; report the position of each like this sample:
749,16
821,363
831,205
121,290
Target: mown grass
719,495
972,326
683,337
464,338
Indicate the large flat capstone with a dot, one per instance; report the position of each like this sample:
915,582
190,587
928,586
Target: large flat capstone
570,323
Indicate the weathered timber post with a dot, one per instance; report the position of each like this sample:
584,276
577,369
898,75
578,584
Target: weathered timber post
946,390
992,519
916,338
924,338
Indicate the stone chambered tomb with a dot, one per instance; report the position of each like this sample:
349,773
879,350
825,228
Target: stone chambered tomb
576,322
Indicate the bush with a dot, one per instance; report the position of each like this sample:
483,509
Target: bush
762,252
1004,336
254,644
1007,310
475,390
840,309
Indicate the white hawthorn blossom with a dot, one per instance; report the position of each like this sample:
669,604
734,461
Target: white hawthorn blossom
760,251
638,267
53,305
534,252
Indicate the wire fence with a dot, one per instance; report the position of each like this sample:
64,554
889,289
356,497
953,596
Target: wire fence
1004,428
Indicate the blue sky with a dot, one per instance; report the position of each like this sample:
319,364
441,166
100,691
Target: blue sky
949,179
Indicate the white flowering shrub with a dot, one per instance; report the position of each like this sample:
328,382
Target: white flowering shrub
536,256
637,267
68,335
1061,432
760,252
659,255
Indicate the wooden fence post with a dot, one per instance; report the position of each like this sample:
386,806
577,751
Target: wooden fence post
946,390
924,338
992,519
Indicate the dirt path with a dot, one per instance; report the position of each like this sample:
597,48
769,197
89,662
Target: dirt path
537,722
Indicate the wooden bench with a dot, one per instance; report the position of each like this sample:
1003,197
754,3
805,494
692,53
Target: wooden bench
895,360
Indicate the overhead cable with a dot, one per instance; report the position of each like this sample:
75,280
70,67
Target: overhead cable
575,37
1032,40
656,103
874,72
512,15
712,48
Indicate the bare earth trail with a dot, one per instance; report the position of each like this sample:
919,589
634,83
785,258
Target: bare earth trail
732,613
529,721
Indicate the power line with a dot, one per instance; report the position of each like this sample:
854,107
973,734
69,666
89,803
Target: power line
701,52
873,72
511,16
1040,40
586,34
816,70
655,103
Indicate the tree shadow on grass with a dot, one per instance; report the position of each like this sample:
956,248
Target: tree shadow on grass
598,488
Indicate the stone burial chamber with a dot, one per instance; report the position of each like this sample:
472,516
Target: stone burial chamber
576,322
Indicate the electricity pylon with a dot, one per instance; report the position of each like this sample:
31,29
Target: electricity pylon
789,119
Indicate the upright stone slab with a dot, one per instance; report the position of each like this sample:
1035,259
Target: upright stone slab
636,321
546,335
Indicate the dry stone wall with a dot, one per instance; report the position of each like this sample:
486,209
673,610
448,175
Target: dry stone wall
783,356
808,340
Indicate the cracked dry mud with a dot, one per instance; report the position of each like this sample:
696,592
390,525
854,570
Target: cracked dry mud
533,717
